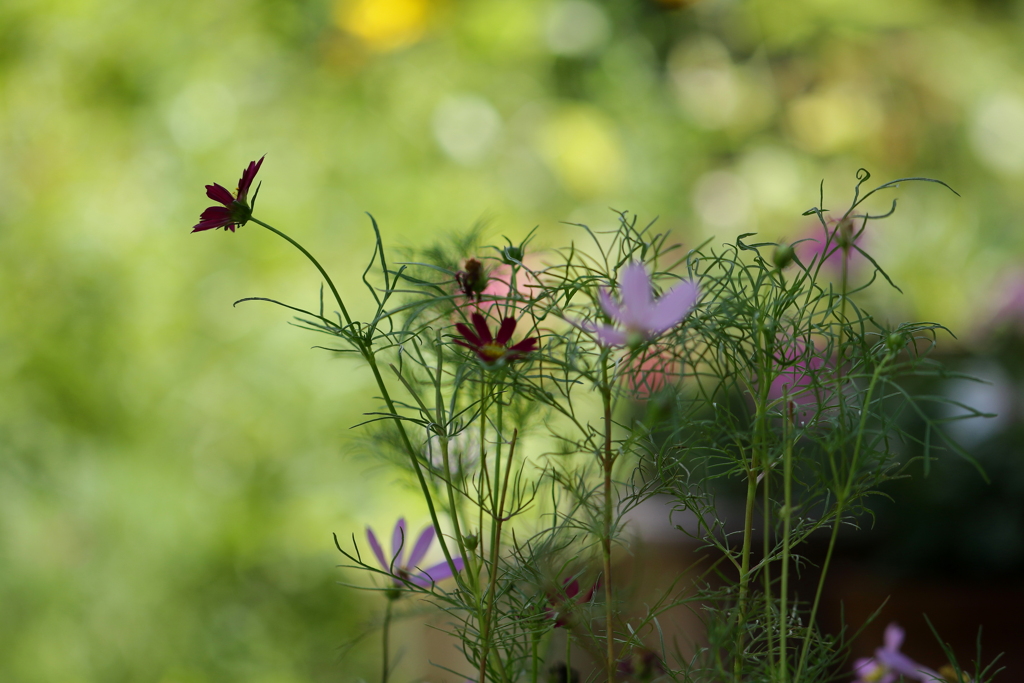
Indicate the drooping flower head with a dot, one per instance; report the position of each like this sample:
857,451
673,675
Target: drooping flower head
472,279
889,663
405,568
493,349
236,210
637,316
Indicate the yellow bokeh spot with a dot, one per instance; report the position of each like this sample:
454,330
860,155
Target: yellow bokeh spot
581,146
384,25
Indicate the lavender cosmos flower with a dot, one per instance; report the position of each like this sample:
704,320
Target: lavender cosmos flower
236,210
638,313
406,569
889,663
493,349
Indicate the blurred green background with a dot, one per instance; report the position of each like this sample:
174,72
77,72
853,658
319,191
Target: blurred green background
171,468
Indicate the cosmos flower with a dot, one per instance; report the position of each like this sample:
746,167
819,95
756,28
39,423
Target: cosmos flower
236,210
493,349
406,569
825,242
639,316
561,608
889,663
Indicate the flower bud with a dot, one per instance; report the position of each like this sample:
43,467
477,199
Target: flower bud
470,541
845,234
513,255
783,255
895,342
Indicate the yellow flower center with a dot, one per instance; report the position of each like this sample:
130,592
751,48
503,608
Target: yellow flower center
493,351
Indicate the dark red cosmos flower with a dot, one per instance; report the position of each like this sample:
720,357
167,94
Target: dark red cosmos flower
493,349
560,609
236,210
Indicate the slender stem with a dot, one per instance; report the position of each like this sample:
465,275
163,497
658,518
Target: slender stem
387,632
787,516
485,634
766,549
330,282
568,655
748,525
606,535
367,353
535,658
841,499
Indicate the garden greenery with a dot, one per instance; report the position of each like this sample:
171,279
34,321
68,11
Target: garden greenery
538,397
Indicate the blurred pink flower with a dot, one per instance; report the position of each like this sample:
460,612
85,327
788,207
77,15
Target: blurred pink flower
235,210
1008,304
801,381
652,371
406,569
638,313
824,242
889,663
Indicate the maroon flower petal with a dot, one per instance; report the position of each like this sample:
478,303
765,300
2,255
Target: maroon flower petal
474,341
508,326
247,177
480,323
219,193
214,217
525,346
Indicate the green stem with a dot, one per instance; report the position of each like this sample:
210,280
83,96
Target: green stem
841,500
766,549
366,351
330,282
787,516
748,524
387,632
485,633
568,655
606,536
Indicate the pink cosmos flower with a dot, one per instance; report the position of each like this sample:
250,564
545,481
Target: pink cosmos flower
801,381
236,210
493,349
889,663
406,569
824,242
638,314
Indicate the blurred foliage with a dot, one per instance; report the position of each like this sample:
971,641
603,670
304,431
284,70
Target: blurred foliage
171,469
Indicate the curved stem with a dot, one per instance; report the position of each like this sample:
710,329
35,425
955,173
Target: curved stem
366,351
327,278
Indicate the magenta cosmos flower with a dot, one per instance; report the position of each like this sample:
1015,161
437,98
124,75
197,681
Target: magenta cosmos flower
235,211
561,607
406,569
493,349
889,663
638,317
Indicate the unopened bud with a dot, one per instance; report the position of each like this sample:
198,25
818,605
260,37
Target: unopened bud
470,542
895,342
844,234
783,255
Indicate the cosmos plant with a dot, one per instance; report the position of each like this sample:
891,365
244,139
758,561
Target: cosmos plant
522,412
